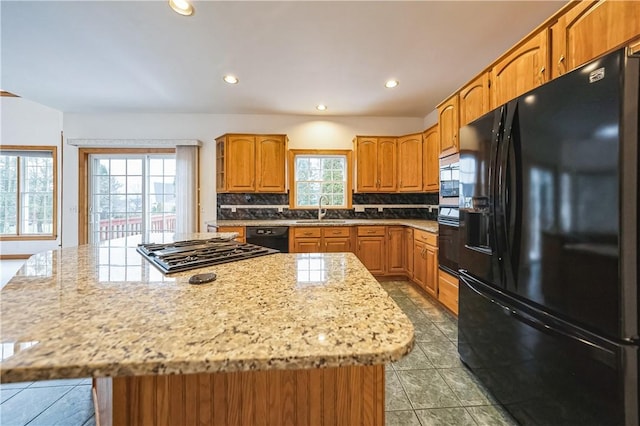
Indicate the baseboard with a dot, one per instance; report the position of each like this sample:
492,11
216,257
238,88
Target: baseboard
14,256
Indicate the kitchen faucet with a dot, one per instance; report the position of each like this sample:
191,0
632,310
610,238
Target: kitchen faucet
321,213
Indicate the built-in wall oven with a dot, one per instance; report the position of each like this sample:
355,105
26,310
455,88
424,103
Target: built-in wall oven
448,222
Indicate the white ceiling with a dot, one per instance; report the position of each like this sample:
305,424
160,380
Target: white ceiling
139,56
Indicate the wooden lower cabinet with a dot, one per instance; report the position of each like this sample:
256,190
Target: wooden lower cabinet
324,396
330,239
336,239
419,263
371,253
370,249
425,261
448,291
408,252
395,250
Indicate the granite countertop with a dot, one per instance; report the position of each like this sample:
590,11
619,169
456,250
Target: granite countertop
105,311
422,224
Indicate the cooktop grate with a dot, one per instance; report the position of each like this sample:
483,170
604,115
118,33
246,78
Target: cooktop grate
192,254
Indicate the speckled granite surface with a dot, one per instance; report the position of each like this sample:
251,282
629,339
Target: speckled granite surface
425,225
105,311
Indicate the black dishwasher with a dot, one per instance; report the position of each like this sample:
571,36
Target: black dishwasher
275,237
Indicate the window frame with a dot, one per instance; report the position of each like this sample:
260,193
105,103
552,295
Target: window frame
320,152
54,215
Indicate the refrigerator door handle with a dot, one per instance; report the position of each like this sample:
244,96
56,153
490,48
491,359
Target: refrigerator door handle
508,182
494,178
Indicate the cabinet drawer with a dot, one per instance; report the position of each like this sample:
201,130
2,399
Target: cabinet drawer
336,231
307,232
448,291
426,237
369,231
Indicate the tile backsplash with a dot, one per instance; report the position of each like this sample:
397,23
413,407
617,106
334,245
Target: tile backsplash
253,199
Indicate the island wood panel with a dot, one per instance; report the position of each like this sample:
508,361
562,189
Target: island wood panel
331,396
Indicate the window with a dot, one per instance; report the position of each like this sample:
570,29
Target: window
131,195
28,178
320,173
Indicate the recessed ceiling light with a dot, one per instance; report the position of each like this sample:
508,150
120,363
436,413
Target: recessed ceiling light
321,107
183,7
391,84
231,79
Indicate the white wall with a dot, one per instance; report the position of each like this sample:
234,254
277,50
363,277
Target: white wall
430,119
320,132
27,123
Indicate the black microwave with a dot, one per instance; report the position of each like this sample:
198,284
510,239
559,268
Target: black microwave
450,177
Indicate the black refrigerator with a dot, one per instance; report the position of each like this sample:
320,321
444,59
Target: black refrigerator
548,255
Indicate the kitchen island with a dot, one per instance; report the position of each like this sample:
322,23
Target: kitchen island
279,339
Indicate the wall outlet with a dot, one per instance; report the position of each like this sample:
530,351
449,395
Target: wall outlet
359,209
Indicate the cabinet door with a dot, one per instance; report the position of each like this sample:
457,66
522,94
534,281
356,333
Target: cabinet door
448,126
241,161
307,245
371,252
366,164
387,164
270,164
408,252
430,152
448,291
474,99
431,274
590,29
410,163
221,183
419,263
395,250
337,245
522,70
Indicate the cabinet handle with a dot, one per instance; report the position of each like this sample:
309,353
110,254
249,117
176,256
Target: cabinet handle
542,70
335,232
371,232
561,59
318,243
307,233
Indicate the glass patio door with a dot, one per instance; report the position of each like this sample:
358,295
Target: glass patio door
130,196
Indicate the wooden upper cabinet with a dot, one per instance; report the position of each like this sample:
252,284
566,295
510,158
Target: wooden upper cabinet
448,126
375,164
366,164
590,29
270,161
523,69
241,159
474,99
387,163
410,165
251,163
430,152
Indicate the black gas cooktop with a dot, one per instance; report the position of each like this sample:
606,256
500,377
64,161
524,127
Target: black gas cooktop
192,254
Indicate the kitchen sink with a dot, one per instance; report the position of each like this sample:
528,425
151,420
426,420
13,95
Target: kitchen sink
320,221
